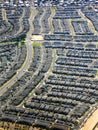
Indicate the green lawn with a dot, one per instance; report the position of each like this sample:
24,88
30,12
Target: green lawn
36,43
53,8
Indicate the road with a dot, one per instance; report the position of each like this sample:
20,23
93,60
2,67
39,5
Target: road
21,23
90,24
27,62
50,21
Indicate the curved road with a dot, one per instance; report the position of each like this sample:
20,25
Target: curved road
27,62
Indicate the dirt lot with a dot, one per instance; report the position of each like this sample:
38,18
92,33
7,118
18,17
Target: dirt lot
91,122
37,37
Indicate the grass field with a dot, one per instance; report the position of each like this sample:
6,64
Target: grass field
36,43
